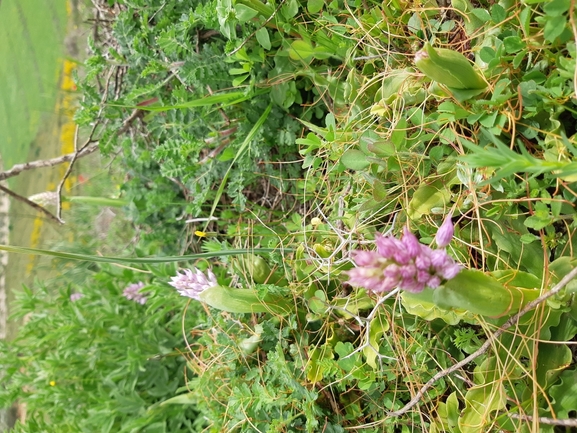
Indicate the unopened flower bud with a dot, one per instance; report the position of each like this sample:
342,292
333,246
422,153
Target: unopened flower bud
445,232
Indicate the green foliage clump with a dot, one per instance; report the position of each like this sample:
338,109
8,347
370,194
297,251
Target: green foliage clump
352,113
98,363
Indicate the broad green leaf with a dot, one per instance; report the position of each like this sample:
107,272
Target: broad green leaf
513,44
422,305
498,13
290,9
399,135
483,399
355,160
347,361
482,294
554,28
314,368
555,8
564,395
263,38
301,50
315,6
426,198
244,13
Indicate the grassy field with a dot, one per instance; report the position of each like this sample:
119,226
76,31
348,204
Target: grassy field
32,35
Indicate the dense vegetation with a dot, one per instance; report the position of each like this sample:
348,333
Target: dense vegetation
277,138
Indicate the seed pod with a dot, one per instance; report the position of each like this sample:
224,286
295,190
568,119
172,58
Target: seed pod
260,271
448,67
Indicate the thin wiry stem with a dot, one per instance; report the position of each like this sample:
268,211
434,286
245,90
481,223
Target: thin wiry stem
485,347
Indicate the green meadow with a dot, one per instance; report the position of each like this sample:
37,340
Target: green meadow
31,44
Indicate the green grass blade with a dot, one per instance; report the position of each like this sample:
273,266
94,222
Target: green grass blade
241,150
222,98
123,260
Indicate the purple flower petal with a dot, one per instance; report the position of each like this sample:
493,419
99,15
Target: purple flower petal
133,293
411,243
405,263
192,283
445,232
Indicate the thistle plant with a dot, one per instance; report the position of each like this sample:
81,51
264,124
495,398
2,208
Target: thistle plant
405,263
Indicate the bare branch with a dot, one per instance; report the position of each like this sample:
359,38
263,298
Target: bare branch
485,347
31,203
571,422
19,168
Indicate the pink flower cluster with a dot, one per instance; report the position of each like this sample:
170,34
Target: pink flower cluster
133,293
192,282
405,263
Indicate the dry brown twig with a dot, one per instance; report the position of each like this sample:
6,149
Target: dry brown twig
19,168
485,347
30,203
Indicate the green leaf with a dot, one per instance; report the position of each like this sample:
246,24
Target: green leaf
556,8
482,294
481,14
379,325
315,6
399,135
347,361
498,13
554,28
422,305
301,50
188,398
290,9
483,399
564,394
244,13
355,159
263,38
241,150
230,98
314,368
536,222
426,198
513,44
